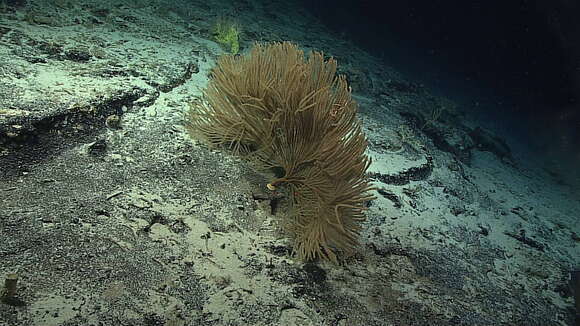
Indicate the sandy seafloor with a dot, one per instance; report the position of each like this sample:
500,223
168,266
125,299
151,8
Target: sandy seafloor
111,215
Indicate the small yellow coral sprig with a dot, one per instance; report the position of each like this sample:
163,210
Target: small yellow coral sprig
227,33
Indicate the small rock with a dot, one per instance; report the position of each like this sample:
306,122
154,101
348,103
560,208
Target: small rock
113,121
